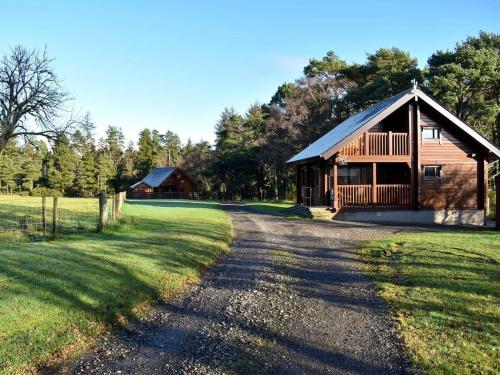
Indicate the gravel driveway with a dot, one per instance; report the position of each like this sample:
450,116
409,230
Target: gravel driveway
288,299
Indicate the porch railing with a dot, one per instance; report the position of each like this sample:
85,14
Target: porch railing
161,195
393,195
378,143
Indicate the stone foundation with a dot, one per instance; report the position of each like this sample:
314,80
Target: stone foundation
446,217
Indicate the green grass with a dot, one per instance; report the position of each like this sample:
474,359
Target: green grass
77,205
57,297
444,290
283,209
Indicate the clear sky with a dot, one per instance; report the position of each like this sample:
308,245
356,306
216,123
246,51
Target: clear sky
177,64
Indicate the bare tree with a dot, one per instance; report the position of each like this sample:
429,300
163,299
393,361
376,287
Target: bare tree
30,97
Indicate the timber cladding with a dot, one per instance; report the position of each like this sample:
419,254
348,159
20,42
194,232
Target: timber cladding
456,186
177,182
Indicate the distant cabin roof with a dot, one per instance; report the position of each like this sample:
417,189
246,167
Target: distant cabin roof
156,176
332,140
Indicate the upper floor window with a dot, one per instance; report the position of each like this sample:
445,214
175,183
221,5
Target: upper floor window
429,133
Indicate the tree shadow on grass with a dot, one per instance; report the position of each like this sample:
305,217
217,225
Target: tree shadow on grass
95,278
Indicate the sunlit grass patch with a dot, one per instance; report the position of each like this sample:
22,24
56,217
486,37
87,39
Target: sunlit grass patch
444,290
56,296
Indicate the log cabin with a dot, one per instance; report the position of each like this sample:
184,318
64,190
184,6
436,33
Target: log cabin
163,182
405,159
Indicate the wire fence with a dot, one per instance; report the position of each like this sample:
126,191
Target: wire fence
37,219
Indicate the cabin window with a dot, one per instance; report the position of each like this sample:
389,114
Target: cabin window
354,175
431,133
431,172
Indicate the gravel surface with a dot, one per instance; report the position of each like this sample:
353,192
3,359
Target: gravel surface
288,299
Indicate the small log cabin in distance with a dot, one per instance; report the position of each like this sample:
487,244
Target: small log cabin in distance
405,159
163,182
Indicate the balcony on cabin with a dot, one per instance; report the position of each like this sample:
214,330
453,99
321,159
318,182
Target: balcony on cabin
388,143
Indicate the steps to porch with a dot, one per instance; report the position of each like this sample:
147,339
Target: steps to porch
316,213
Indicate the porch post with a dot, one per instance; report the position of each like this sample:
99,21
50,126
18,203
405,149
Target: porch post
335,188
497,188
298,193
321,185
374,184
414,143
326,192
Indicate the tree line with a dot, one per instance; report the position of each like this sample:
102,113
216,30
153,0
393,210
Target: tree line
251,149
248,157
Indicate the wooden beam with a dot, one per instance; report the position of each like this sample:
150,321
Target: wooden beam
374,183
481,192
377,158
335,188
412,150
497,186
298,193
367,143
389,136
418,156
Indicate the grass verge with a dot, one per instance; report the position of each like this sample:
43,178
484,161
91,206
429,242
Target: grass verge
282,209
55,297
444,290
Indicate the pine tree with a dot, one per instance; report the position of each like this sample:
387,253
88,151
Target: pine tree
145,154
105,171
31,165
85,180
62,165
9,167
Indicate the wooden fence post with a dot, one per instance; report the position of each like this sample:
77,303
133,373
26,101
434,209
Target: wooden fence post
54,217
103,212
121,200
44,214
497,203
114,208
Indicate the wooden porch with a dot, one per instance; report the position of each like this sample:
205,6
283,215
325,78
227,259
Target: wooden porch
366,196
357,185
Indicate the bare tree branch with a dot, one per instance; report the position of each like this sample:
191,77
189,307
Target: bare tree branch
31,98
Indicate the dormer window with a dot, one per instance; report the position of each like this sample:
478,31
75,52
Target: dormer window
431,133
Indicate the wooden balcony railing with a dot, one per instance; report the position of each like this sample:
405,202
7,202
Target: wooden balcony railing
394,195
378,143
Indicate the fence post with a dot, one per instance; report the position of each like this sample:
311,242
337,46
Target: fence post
54,217
103,213
44,214
121,199
114,207
497,203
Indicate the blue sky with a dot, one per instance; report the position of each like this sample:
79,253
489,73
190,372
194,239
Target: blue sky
176,64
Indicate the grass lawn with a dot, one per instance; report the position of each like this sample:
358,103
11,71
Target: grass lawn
56,297
444,290
273,208
81,206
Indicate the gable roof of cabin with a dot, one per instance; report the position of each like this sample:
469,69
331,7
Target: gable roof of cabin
354,126
156,176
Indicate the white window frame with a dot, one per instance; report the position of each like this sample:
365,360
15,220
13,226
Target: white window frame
432,140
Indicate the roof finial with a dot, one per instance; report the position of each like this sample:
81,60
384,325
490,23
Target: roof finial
414,82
